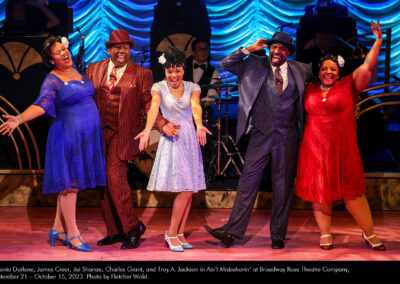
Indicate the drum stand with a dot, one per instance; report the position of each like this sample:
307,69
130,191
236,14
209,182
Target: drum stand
224,141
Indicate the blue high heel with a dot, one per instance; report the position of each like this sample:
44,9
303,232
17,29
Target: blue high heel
168,243
53,235
184,245
82,247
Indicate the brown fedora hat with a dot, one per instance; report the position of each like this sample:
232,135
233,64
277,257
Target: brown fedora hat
119,36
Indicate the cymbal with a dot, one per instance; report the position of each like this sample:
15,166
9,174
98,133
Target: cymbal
217,86
225,98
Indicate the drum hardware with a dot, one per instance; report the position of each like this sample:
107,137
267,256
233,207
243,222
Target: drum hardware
229,148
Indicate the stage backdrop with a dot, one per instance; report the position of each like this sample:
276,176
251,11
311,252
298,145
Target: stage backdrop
234,23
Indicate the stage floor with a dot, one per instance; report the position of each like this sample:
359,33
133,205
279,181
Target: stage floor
24,237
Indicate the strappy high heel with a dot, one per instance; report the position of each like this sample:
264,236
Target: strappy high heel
83,247
168,243
184,245
53,236
378,246
327,246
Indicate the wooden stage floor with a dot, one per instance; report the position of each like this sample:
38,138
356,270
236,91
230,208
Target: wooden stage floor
24,237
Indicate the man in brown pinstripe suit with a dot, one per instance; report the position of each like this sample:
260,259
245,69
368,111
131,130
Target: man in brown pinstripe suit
122,93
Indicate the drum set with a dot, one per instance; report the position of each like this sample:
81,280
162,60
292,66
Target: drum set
225,152
222,158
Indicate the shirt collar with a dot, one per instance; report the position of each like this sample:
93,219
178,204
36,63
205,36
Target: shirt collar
283,67
118,70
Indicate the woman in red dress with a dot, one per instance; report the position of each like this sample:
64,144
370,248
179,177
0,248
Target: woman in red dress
329,166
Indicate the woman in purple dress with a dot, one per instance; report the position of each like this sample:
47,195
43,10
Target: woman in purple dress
74,152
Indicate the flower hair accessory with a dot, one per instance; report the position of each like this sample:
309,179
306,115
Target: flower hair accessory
162,59
64,42
340,61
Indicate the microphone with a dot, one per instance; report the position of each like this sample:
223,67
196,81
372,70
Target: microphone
284,25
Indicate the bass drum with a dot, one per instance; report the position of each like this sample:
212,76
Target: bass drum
145,162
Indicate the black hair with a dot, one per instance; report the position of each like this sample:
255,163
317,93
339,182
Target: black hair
197,40
332,57
46,51
174,57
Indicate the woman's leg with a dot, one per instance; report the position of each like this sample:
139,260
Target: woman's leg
323,216
59,225
181,228
361,212
178,212
68,210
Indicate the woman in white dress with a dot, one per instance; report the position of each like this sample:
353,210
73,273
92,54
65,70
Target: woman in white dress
178,166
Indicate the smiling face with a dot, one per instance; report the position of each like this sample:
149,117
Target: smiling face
328,73
174,76
60,56
278,53
119,54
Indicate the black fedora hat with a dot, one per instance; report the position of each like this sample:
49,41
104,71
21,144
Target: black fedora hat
283,38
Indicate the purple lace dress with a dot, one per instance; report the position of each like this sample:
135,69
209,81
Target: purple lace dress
74,151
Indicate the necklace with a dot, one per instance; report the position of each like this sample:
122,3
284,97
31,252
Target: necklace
323,88
69,72
177,89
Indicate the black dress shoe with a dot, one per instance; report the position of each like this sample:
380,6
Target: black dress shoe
132,238
142,228
277,244
221,235
110,240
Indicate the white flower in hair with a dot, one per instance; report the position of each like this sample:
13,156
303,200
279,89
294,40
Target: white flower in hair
340,61
162,59
64,42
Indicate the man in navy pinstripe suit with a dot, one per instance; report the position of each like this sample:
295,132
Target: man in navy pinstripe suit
270,111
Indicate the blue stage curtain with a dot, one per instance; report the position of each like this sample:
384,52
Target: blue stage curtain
234,23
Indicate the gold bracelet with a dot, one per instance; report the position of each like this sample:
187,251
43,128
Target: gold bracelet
146,130
19,119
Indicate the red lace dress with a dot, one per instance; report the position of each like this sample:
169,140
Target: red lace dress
329,165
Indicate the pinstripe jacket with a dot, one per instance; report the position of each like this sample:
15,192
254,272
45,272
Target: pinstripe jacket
252,72
134,88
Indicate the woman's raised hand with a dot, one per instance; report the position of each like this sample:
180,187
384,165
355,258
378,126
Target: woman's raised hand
376,29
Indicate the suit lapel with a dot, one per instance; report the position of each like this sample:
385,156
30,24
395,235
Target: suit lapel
104,73
297,77
261,77
126,83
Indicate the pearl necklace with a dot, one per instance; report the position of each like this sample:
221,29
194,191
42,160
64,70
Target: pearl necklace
323,88
175,90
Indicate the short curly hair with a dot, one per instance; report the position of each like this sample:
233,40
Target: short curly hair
174,57
46,51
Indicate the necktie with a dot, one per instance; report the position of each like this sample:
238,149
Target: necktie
202,66
113,79
278,80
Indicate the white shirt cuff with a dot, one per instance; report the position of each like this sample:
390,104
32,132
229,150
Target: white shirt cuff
245,51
